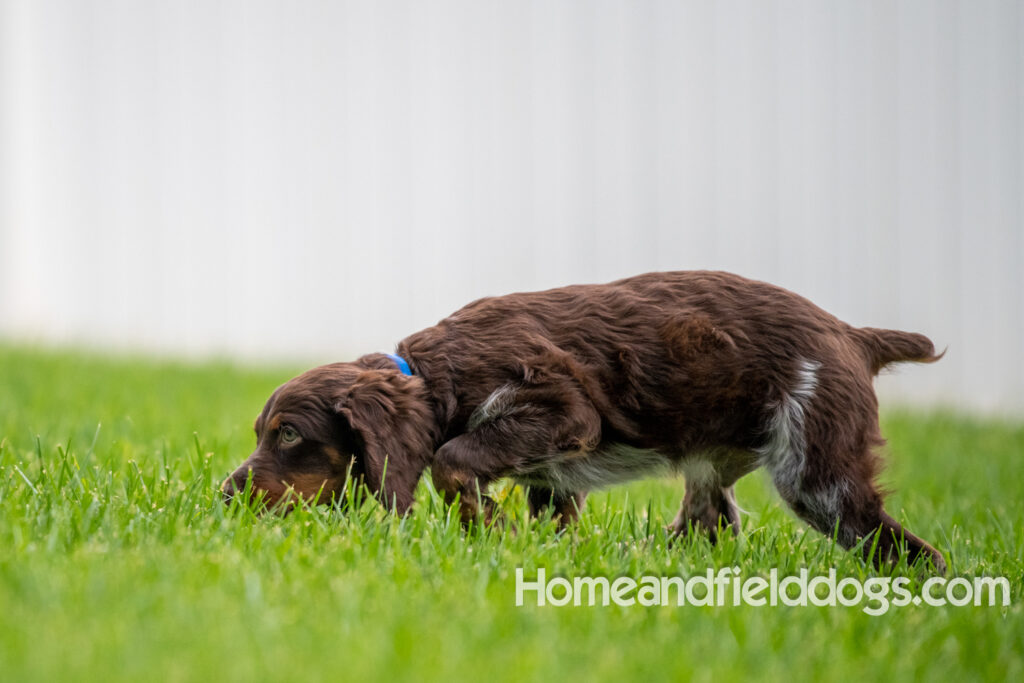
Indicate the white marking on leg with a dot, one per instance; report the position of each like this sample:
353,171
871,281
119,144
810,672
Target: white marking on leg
784,452
499,403
826,506
700,474
703,489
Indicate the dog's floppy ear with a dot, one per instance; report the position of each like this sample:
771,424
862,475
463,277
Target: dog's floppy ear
390,415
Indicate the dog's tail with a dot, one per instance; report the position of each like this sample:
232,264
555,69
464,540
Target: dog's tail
894,346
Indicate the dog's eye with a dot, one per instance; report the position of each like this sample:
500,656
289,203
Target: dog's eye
289,435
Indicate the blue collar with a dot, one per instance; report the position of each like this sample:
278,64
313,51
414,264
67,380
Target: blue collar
402,364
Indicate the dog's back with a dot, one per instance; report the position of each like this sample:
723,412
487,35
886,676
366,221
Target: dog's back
675,360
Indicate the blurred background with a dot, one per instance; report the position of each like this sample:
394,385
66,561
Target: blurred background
316,180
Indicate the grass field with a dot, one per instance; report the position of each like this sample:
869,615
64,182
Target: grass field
118,560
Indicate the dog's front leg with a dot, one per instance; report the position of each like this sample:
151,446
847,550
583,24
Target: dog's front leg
516,443
462,470
565,507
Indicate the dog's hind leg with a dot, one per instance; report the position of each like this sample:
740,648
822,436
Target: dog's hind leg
847,504
710,499
824,466
840,498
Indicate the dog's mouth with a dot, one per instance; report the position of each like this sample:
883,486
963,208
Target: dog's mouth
285,497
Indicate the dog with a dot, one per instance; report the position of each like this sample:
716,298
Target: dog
572,389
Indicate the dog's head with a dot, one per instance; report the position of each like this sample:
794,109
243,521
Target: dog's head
364,420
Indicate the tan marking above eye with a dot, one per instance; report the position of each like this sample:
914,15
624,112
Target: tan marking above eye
334,456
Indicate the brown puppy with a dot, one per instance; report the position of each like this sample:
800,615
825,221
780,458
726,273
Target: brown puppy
571,389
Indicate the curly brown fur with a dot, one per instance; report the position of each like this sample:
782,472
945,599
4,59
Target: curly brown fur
570,389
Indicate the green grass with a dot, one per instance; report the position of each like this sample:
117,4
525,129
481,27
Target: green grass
118,561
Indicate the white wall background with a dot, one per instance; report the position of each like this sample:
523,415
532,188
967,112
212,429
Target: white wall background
319,179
